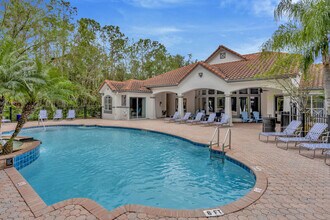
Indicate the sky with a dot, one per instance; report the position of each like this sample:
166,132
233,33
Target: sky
185,27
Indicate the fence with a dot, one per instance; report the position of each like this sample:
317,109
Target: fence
90,111
307,119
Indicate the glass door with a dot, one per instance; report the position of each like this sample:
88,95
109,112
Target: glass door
137,108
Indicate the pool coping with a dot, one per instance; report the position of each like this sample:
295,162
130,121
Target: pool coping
39,207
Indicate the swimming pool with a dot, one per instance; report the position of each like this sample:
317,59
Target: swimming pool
116,166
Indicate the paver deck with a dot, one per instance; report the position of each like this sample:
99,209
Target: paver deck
298,187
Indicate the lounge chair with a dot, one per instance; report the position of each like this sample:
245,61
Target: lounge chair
225,120
290,130
197,119
43,115
245,117
312,136
173,118
210,120
58,114
256,117
184,118
327,155
71,114
4,120
314,146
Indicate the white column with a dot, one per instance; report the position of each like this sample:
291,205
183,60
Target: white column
228,107
152,107
180,105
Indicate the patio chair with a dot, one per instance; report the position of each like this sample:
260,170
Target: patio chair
58,114
210,120
327,155
245,117
173,118
43,115
312,136
256,117
290,130
225,120
4,120
71,114
184,118
315,146
197,119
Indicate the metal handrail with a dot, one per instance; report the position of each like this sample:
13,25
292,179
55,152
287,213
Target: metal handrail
225,140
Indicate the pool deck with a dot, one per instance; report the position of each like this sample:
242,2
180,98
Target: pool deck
298,187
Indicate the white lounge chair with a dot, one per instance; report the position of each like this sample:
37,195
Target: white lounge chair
43,115
225,120
184,118
315,146
58,114
173,118
312,136
210,120
71,114
290,130
4,120
197,119
327,155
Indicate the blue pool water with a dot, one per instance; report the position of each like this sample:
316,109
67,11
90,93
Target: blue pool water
116,166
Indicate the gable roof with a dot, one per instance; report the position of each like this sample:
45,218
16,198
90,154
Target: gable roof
222,47
315,82
132,85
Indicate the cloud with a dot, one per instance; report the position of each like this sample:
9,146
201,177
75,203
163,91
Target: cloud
257,7
251,45
158,3
156,31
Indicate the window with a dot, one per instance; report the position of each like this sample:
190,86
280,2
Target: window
254,91
222,55
108,104
243,91
123,100
211,92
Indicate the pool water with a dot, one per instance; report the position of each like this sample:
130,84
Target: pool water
116,166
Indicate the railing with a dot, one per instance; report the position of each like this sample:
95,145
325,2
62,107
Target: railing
308,120
88,111
226,141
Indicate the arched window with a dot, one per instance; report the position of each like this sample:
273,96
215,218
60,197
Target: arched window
108,104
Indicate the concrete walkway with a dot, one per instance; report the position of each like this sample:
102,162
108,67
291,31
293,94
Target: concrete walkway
298,187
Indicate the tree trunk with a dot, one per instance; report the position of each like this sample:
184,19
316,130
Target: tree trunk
2,105
326,75
27,110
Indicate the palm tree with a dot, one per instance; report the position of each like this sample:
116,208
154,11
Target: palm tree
52,89
306,31
14,71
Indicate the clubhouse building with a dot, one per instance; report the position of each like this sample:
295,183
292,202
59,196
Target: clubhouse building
226,82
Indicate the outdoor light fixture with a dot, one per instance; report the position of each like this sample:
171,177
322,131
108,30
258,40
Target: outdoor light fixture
200,74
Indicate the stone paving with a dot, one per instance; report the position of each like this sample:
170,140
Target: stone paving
298,187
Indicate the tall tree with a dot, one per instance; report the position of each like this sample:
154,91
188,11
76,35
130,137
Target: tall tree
306,31
50,88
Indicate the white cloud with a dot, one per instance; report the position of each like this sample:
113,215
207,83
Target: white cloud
257,7
251,45
156,31
158,3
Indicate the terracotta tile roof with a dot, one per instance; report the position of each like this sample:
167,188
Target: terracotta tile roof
246,69
170,78
221,47
315,81
131,85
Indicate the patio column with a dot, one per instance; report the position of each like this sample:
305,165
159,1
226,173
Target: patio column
286,103
180,105
152,107
228,107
